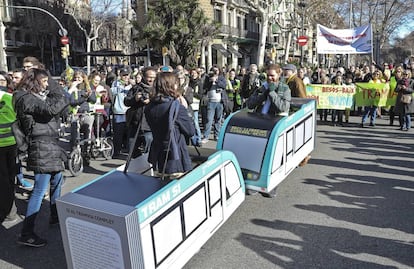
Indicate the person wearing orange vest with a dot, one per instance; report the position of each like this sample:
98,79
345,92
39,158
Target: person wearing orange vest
8,153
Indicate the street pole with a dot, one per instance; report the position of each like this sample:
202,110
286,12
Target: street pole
62,31
302,6
350,27
148,46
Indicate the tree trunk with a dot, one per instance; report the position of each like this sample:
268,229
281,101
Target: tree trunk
287,49
88,57
262,39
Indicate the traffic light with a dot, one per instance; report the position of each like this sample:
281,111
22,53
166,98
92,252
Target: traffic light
64,52
164,51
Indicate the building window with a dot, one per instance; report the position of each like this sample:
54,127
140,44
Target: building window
27,38
218,17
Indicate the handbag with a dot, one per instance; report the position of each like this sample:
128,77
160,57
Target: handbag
406,98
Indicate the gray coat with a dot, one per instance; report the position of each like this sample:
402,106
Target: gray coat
401,108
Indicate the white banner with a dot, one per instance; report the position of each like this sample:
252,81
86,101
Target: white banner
344,41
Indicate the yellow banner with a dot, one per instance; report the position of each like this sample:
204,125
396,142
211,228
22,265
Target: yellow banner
331,96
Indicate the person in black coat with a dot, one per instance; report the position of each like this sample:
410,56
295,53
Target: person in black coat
38,104
171,127
137,98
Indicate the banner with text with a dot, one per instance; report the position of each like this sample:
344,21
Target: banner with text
344,41
331,96
378,94
343,96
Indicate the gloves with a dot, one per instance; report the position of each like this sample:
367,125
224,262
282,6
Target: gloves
272,87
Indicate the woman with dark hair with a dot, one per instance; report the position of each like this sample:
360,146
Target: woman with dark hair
171,127
5,82
38,106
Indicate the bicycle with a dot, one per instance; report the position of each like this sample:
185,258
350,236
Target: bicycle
85,149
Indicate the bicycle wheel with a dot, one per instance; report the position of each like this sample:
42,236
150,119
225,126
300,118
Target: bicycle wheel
95,151
75,162
108,151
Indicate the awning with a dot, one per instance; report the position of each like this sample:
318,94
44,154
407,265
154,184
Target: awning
222,50
104,52
234,51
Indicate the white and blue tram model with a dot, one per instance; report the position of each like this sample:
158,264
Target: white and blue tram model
127,219
269,148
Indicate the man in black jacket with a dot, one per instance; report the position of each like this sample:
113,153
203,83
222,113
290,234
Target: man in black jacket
137,98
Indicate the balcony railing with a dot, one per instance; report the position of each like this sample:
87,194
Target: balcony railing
236,32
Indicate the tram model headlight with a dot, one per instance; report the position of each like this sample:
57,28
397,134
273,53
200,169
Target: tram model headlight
252,176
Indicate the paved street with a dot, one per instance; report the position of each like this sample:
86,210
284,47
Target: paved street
352,206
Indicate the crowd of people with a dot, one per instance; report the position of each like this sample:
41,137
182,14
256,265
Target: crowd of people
155,110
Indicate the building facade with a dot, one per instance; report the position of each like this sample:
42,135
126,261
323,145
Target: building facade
237,43
30,32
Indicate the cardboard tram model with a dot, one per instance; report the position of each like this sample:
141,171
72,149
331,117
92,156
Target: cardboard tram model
127,219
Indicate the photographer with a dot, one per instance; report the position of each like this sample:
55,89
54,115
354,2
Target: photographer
137,98
215,90
273,97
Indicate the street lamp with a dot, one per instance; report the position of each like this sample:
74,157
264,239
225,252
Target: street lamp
302,5
62,31
377,32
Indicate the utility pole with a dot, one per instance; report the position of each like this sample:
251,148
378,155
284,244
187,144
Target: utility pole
148,46
302,6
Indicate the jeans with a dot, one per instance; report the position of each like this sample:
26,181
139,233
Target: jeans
144,136
120,136
372,111
337,116
40,187
405,121
86,124
197,137
214,115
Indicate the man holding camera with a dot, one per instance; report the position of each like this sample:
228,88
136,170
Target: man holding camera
137,98
273,97
214,88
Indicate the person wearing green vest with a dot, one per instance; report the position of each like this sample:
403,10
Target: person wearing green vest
8,153
233,91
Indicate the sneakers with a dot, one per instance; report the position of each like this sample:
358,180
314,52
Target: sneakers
31,240
203,141
24,184
11,219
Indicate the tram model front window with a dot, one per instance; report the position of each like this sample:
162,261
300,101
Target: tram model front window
250,157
